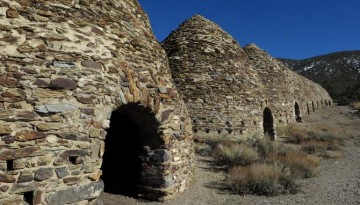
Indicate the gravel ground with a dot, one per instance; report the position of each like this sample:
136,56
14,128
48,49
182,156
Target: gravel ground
337,183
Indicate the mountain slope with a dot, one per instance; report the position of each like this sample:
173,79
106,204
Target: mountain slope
338,73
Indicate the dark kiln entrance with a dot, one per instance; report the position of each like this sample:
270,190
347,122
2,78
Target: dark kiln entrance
131,128
297,113
268,123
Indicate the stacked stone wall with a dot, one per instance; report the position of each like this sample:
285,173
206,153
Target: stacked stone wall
212,71
65,67
227,87
285,87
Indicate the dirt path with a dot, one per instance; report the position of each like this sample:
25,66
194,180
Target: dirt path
338,182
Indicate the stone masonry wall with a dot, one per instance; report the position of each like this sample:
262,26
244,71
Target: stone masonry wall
65,66
211,70
227,87
285,87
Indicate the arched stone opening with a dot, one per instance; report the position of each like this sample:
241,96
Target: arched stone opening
329,103
268,123
297,113
322,103
326,103
308,108
133,133
313,106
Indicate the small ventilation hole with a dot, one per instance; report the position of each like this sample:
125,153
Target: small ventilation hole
73,159
10,165
29,197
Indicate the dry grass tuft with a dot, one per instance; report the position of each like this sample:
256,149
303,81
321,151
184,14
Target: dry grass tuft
234,153
331,154
262,179
300,164
356,105
318,138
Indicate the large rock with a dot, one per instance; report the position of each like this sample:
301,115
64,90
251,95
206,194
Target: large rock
63,84
76,194
28,135
5,129
14,116
25,177
43,174
20,153
55,108
19,188
6,178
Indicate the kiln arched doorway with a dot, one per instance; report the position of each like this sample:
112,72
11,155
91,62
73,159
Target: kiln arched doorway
308,108
297,113
268,124
132,127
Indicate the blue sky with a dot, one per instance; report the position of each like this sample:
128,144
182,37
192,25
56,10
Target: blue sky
285,28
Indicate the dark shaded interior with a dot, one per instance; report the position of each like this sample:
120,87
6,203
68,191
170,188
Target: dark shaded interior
297,113
308,108
313,106
131,128
29,197
10,165
268,123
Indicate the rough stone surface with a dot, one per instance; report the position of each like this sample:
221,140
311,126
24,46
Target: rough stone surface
43,173
8,139
4,188
10,13
91,64
62,172
5,129
6,178
10,154
25,177
55,108
28,135
19,188
65,67
76,194
63,83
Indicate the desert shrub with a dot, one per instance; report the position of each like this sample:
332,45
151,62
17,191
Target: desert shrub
319,138
261,179
234,153
264,146
297,136
285,130
331,154
212,140
313,146
356,105
320,146
300,164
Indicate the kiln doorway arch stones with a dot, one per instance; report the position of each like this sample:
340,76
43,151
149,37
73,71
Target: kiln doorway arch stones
133,132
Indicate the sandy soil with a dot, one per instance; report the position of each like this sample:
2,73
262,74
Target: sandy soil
337,183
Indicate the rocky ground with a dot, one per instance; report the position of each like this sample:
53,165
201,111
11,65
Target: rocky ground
337,183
